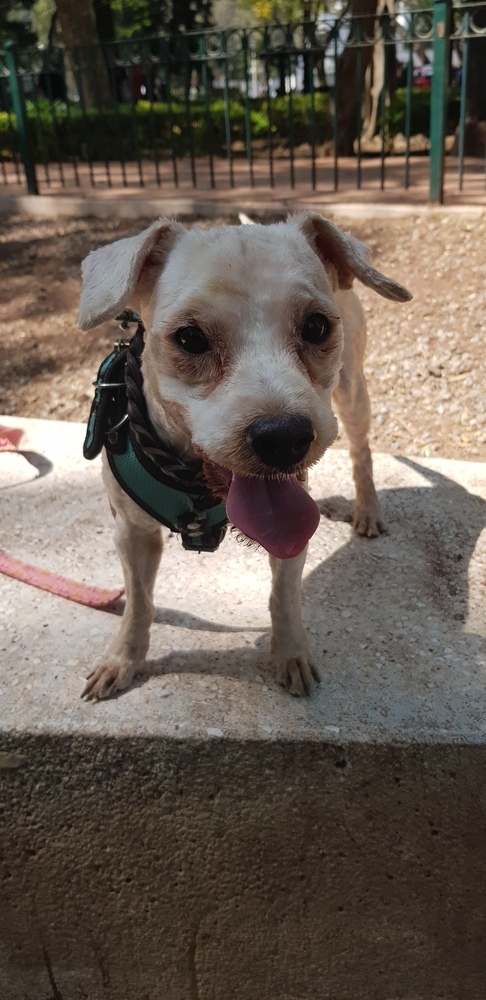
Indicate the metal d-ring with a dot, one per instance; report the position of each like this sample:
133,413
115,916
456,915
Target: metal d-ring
117,426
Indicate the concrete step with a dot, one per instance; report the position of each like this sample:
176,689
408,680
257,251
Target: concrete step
204,835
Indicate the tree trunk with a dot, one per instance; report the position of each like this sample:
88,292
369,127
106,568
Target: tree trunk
380,69
347,66
476,84
77,22
475,129
104,20
372,88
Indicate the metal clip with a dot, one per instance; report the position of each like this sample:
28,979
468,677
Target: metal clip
121,345
107,385
112,432
119,424
126,317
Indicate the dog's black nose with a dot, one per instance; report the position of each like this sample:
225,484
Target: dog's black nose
281,441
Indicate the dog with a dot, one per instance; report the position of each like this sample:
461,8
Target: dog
250,335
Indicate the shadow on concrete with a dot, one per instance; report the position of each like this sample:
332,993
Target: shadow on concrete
181,619
418,572
447,544
247,664
40,462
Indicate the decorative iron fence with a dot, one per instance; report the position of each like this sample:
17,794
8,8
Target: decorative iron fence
340,86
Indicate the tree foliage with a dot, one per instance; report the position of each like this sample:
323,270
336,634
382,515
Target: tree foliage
136,18
111,20
15,22
284,11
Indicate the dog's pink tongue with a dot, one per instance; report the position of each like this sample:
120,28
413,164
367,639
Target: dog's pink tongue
277,513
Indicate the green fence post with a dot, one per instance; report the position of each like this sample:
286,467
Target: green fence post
18,104
438,99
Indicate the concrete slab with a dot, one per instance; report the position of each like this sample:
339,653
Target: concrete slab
197,206
397,623
204,836
92,192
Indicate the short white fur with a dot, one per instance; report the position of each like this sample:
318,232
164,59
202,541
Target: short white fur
250,287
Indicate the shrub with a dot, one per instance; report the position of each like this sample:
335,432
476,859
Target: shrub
60,131
420,111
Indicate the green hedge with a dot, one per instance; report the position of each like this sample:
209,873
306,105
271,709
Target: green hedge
60,131
420,111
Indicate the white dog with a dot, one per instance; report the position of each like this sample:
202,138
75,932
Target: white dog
250,334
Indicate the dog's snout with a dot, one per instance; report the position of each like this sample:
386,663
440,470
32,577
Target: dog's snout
282,441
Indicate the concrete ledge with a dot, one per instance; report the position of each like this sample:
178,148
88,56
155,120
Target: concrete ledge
204,836
147,868
120,207
396,623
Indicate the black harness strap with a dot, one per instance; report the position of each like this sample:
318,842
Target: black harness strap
170,488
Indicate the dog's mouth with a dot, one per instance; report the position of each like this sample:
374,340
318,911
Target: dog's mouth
275,511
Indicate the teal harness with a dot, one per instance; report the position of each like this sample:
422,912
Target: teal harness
172,490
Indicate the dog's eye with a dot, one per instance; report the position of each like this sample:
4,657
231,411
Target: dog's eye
191,340
316,329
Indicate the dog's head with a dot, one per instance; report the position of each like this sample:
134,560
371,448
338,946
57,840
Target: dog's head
243,342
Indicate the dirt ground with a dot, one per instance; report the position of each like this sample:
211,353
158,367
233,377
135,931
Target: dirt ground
425,363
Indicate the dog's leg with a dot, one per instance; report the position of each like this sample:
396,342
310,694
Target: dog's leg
139,550
295,668
353,405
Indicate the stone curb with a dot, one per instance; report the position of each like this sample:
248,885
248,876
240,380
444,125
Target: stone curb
48,206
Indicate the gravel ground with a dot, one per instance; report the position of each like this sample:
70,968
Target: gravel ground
425,363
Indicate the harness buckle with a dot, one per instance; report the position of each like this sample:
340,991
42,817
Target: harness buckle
197,535
112,433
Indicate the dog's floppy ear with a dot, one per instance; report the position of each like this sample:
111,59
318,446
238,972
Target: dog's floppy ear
348,256
111,274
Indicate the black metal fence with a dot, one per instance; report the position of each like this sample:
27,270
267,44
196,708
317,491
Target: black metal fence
132,112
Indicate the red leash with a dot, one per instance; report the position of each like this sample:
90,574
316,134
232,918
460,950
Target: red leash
93,597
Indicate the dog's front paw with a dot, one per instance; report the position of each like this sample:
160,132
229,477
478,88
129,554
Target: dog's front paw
111,675
368,521
297,672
